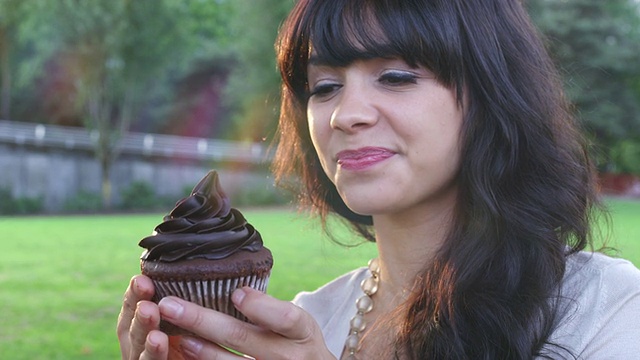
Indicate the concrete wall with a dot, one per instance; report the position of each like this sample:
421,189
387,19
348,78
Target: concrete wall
58,174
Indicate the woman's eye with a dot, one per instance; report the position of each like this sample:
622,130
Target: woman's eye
398,78
324,89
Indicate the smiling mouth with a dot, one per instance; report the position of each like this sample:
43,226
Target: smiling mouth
362,158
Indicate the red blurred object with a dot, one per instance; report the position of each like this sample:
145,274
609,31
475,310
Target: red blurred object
627,185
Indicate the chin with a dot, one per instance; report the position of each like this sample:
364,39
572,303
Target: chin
362,209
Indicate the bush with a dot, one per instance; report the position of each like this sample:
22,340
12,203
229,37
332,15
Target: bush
260,196
10,205
29,205
626,156
6,201
84,202
140,196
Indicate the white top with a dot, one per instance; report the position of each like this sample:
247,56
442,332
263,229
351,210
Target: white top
602,323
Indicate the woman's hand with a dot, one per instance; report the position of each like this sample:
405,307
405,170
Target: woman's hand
280,330
138,324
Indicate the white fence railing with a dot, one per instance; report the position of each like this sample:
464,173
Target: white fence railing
55,136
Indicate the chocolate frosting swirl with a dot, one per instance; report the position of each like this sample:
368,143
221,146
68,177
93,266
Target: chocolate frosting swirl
202,225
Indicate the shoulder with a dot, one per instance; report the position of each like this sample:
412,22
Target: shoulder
600,272
332,305
335,295
331,292
602,284
600,298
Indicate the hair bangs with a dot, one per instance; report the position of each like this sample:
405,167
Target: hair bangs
341,32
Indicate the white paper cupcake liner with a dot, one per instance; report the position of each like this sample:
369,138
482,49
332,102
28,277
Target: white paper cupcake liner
213,294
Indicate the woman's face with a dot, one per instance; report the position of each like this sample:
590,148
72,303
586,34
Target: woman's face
387,135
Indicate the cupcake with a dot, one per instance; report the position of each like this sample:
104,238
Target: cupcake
203,250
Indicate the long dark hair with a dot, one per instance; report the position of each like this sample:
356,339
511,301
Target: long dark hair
527,186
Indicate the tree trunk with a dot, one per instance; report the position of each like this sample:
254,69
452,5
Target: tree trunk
105,165
5,75
98,119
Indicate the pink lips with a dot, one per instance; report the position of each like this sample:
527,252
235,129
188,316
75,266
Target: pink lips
362,158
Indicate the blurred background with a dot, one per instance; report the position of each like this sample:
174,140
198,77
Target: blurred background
109,105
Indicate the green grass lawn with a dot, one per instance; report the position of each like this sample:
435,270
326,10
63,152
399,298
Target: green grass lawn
62,278
625,229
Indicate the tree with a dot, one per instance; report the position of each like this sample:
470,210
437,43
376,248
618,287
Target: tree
597,45
9,15
255,82
117,53
5,69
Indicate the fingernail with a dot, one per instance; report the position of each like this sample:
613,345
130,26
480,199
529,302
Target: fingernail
170,308
144,313
154,339
237,296
190,346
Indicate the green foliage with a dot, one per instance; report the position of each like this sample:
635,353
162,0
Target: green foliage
597,45
254,85
113,57
626,156
28,205
6,201
123,53
260,196
85,202
140,195
22,205
118,56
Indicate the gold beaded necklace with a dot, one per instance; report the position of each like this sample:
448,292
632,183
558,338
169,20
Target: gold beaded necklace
363,305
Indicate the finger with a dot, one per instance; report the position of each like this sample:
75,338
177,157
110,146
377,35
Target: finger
146,319
194,348
140,288
211,325
296,333
251,339
156,346
281,317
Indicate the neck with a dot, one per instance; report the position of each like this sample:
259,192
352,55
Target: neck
407,244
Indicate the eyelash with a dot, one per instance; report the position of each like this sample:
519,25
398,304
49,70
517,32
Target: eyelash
392,79
324,89
398,78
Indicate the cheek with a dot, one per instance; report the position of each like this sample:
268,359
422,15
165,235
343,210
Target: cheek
315,133
437,138
312,126
319,136
318,129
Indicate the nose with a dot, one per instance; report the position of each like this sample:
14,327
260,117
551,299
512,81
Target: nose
355,109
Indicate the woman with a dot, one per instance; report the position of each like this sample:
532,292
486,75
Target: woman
437,129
